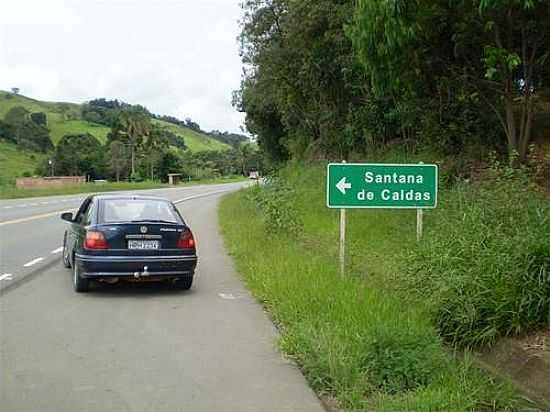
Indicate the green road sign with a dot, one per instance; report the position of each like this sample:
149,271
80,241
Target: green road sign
381,185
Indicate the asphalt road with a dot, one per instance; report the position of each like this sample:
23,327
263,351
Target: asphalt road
134,347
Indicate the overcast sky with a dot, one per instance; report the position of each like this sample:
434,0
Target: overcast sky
176,57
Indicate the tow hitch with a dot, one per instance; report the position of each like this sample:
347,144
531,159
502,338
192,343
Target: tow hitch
145,273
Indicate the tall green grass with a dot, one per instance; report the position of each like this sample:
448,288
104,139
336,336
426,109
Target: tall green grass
485,262
355,338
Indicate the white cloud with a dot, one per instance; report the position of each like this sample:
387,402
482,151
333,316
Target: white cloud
176,57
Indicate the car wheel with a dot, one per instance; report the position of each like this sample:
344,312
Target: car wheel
66,260
79,283
184,283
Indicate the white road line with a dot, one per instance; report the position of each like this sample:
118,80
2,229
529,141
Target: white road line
58,250
44,203
33,262
200,195
6,276
7,207
28,219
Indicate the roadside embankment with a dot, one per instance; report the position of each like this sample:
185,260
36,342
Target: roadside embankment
526,362
373,339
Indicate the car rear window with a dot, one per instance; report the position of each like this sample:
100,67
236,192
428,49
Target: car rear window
137,210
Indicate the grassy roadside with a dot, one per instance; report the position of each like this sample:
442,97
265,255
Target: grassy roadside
358,339
13,193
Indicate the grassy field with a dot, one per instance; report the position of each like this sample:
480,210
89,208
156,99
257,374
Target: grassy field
60,128
13,193
14,162
358,339
196,142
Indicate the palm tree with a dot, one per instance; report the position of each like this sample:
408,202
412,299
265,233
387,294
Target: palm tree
245,151
135,124
154,144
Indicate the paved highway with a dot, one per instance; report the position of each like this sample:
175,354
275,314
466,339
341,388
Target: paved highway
134,347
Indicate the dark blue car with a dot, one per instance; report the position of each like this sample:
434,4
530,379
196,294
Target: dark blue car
132,238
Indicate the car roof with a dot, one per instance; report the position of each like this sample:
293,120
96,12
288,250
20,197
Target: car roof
129,197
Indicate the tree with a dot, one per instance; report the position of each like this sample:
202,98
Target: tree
482,53
156,142
26,132
17,116
132,126
39,118
245,152
15,90
170,162
8,132
302,81
192,125
79,154
34,137
514,58
118,159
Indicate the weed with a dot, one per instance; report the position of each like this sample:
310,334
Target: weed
355,338
485,261
275,200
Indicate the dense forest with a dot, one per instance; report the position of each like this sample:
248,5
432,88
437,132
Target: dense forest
342,78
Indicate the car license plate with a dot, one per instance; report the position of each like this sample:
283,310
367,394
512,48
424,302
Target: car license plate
143,244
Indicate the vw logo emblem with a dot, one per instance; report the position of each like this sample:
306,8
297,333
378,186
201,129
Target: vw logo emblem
143,229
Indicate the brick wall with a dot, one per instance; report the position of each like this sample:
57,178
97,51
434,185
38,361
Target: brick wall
43,182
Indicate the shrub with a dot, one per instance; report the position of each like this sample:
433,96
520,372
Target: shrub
275,199
39,118
397,360
485,262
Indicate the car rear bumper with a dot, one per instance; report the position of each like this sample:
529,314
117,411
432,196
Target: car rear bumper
136,266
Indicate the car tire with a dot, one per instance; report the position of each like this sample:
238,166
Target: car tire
79,283
66,260
184,283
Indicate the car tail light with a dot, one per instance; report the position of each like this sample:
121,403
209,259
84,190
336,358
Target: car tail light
186,240
95,240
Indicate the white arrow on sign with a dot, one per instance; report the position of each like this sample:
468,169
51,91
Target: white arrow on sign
342,185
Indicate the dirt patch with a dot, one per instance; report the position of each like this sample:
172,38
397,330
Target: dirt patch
536,345
526,362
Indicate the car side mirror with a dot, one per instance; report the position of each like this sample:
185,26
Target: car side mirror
68,216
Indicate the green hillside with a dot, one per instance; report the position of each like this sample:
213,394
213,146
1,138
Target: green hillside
15,162
196,142
63,118
66,118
